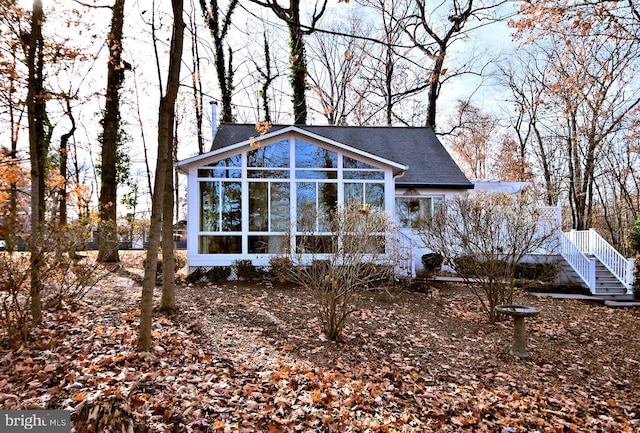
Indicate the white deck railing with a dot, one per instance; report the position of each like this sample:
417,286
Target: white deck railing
590,242
584,266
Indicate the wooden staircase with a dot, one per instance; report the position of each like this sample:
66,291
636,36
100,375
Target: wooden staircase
596,265
608,286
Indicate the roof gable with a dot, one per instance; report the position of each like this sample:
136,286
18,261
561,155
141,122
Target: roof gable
427,162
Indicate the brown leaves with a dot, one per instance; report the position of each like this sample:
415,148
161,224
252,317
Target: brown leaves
250,359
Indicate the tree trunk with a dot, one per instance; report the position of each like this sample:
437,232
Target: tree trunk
165,123
107,228
38,146
224,71
298,67
168,302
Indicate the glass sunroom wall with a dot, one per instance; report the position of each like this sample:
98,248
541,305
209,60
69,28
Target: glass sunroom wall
249,203
269,196
220,216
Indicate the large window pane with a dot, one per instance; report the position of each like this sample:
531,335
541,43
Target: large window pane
374,195
258,206
220,207
231,206
275,155
280,206
228,168
414,212
306,208
269,206
371,194
327,202
209,206
311,156
353,193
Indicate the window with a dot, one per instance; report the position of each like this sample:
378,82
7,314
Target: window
354,169
291,184
370,194
269,206
414,212
270,161
314,203
220,207
228,168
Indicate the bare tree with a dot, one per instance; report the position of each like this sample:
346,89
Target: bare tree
39,138
166,118
526,78
484,237
292,16
107,228
433,29
473,139
334,65
224,65
268,76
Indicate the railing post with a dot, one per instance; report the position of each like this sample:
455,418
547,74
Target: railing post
592,275
593,238
630,268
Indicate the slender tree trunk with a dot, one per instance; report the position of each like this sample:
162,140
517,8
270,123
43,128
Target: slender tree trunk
298,69
196,78
434,88
165,123
38,146
107,229
14,121
224,70
64,140
168,301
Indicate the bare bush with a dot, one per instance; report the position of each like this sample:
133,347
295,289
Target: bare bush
348,256
64,280
485,236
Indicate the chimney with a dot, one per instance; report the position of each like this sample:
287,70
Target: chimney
214,119
343,120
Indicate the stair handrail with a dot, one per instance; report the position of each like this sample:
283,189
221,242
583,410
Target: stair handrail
579,262
616,263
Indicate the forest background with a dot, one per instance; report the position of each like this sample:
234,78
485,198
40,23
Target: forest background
536,91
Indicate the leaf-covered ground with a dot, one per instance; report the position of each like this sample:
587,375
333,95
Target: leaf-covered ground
250,357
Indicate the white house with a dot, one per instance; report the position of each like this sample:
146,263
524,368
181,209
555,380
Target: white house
247,192
246,195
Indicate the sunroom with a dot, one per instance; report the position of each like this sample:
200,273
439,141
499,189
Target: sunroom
251,194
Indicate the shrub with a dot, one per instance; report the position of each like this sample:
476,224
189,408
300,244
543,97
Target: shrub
279,269
352,256
484,236
245,270
208,275
64,281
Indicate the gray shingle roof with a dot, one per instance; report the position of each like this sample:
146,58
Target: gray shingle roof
430,165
